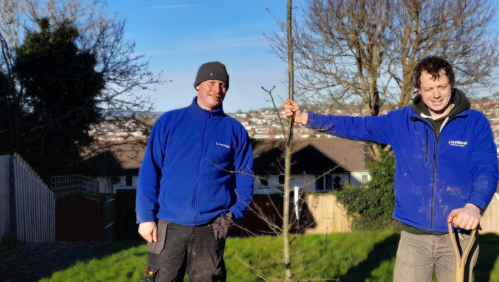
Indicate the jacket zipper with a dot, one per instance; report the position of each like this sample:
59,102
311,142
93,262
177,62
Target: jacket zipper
207,116
434,162
437,135
447,120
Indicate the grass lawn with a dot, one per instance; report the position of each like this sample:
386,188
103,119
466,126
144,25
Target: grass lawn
356,256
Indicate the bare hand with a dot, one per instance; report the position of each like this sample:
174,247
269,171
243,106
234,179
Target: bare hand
465,218
149,231
291,108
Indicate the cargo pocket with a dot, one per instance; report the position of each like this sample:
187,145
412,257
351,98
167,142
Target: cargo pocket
151,273
157,248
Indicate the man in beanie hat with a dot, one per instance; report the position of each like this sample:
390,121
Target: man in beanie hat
194,180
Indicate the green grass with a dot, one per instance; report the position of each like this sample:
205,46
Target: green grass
356,256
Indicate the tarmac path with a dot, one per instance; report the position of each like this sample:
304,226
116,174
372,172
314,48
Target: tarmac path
32,262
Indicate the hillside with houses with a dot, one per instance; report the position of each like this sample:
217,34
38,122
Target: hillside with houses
265,123
120,162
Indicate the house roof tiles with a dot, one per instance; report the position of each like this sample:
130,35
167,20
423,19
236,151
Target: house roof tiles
310,155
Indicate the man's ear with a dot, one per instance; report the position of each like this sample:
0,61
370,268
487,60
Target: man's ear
197,88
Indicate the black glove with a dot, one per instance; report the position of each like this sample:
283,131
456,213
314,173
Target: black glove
221,225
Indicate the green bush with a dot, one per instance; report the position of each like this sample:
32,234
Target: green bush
371,207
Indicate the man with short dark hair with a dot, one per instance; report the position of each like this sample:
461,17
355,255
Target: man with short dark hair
446,168
194,180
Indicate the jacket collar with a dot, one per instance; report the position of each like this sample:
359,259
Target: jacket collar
415,115
200,111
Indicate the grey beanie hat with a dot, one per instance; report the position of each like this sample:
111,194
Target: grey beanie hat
212,71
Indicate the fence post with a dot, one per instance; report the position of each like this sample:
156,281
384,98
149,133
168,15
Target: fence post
5,196
13,203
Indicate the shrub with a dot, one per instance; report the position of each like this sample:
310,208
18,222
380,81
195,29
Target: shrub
371,206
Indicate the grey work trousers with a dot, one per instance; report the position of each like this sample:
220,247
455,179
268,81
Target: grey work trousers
186,248
419,255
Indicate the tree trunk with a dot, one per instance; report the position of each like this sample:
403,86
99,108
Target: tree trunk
287,162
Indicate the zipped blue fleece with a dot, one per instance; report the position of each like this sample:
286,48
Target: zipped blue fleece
197,165
433,174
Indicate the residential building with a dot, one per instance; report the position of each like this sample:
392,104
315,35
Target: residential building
116,167
318,164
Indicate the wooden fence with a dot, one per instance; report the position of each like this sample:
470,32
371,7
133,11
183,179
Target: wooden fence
34,204
324,214
79,208
490,219
119,216
320,213
78,219
329,215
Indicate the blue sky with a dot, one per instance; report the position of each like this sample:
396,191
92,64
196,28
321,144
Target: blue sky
178,36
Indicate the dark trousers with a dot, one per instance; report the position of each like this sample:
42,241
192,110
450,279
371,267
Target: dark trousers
191,248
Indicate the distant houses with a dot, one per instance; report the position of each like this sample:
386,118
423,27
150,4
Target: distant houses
318,164
321,162
116,167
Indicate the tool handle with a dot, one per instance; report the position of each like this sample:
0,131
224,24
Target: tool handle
461,260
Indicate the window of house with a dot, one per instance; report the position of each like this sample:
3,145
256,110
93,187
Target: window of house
364,179
337,183
329,182
281,180
264,182
129,180
319,184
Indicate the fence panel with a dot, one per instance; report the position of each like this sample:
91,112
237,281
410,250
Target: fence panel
252,224
490,219
318,214
321,213
78,208
329,215
108,203
78,219
125,215
34,202
5,203
76,184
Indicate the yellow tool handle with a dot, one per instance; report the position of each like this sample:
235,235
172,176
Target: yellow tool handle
461,260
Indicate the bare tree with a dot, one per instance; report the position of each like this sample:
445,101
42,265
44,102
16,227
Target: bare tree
365,51
459,31
287,164
289,221
125,73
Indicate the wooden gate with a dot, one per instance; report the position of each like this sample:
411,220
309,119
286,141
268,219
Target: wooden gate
78,208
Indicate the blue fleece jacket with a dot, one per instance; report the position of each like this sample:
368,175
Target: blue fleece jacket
434,174
197,165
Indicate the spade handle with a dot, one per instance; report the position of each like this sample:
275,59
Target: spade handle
461,260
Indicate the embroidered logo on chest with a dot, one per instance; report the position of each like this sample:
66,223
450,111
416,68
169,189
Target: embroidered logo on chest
223,145
457,143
